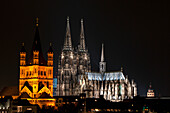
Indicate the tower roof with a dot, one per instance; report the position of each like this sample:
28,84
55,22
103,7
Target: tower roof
82,39
22,48
67,42
37,46
36,42
150,85
50,48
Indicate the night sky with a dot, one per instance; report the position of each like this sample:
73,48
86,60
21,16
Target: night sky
136,35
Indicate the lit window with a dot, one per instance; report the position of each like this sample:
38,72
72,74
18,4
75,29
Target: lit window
19,108
29,108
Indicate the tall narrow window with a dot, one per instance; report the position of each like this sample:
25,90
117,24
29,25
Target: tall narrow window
50,72
41,72
35,70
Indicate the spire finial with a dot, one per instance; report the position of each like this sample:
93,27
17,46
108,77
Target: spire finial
150,85
67,18
37,21
102,54
23,44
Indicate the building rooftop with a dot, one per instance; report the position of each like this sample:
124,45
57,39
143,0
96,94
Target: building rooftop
9,91
107,76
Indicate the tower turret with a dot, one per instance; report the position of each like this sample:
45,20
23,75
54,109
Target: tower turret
23,55
50,56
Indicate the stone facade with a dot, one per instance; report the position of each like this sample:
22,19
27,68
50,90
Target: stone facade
75,76
72,63
36,74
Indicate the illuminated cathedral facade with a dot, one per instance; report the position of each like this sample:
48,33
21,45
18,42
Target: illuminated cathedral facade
36,74
75,76
71,64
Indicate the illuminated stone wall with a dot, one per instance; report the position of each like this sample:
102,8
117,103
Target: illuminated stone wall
36,74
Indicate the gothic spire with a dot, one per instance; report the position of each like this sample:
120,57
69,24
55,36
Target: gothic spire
82,39
102,63
102,53
67,43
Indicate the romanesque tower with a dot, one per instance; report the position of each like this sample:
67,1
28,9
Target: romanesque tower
36,74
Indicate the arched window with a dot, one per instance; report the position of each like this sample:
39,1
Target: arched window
35,70
50,72
41,72
22,72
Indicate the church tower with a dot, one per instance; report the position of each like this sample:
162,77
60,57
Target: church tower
83,56
150,92
36,75
67,67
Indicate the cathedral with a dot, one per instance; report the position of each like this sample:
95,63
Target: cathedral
75,76
72,64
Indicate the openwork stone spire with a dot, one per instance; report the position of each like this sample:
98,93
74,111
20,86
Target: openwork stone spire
102,63
102,53
82,39
68,43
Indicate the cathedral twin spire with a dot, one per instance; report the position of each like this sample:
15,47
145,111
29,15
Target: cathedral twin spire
82,39
68,43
